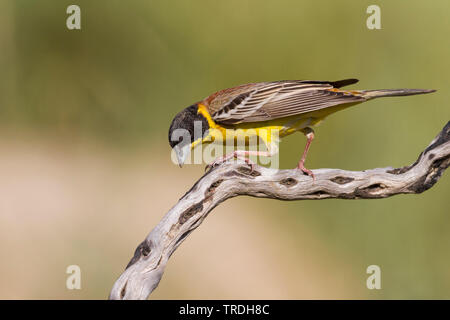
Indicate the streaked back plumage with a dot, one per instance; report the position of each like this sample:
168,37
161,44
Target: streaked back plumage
265,101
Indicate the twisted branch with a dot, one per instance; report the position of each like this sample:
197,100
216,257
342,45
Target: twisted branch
229,180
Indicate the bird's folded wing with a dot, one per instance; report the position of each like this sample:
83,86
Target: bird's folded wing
273,100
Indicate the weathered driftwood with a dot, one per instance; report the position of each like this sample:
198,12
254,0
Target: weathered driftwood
232,179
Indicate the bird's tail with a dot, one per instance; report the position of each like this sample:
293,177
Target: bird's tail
371,94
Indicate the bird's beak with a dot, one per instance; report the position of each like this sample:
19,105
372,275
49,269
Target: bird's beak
182,153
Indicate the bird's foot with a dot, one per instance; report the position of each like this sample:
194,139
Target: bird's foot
228,157
308,172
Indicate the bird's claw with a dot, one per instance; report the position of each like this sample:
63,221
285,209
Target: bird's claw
212,165
306,171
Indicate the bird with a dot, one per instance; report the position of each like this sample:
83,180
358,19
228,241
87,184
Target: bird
284,107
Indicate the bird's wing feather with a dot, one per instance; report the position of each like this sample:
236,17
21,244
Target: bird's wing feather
273,100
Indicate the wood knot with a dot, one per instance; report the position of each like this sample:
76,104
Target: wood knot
190,212
142,250
248,171
342,180
370,191
289,182
320,194
214,186
242,172
123,291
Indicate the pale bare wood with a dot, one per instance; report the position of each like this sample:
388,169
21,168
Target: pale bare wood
232,179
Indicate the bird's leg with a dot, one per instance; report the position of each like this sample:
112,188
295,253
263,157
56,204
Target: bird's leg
309,133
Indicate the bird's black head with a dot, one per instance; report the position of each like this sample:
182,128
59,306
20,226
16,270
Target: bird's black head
182,131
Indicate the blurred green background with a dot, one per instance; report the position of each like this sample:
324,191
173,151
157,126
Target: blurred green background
85,168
